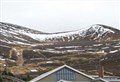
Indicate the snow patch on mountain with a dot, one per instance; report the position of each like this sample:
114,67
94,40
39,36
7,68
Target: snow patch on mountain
100,29
43,37
97,31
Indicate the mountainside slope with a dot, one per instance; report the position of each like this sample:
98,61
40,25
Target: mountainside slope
14,34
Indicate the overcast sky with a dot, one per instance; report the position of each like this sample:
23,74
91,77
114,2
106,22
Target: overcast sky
60,15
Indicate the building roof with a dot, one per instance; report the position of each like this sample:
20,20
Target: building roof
107,78
54,70
100,79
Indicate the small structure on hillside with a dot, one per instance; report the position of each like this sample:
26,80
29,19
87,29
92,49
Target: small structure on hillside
18,52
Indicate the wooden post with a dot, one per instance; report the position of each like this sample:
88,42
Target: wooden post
101,70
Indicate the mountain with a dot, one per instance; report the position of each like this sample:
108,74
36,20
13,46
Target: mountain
103,33
97,37
15,34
